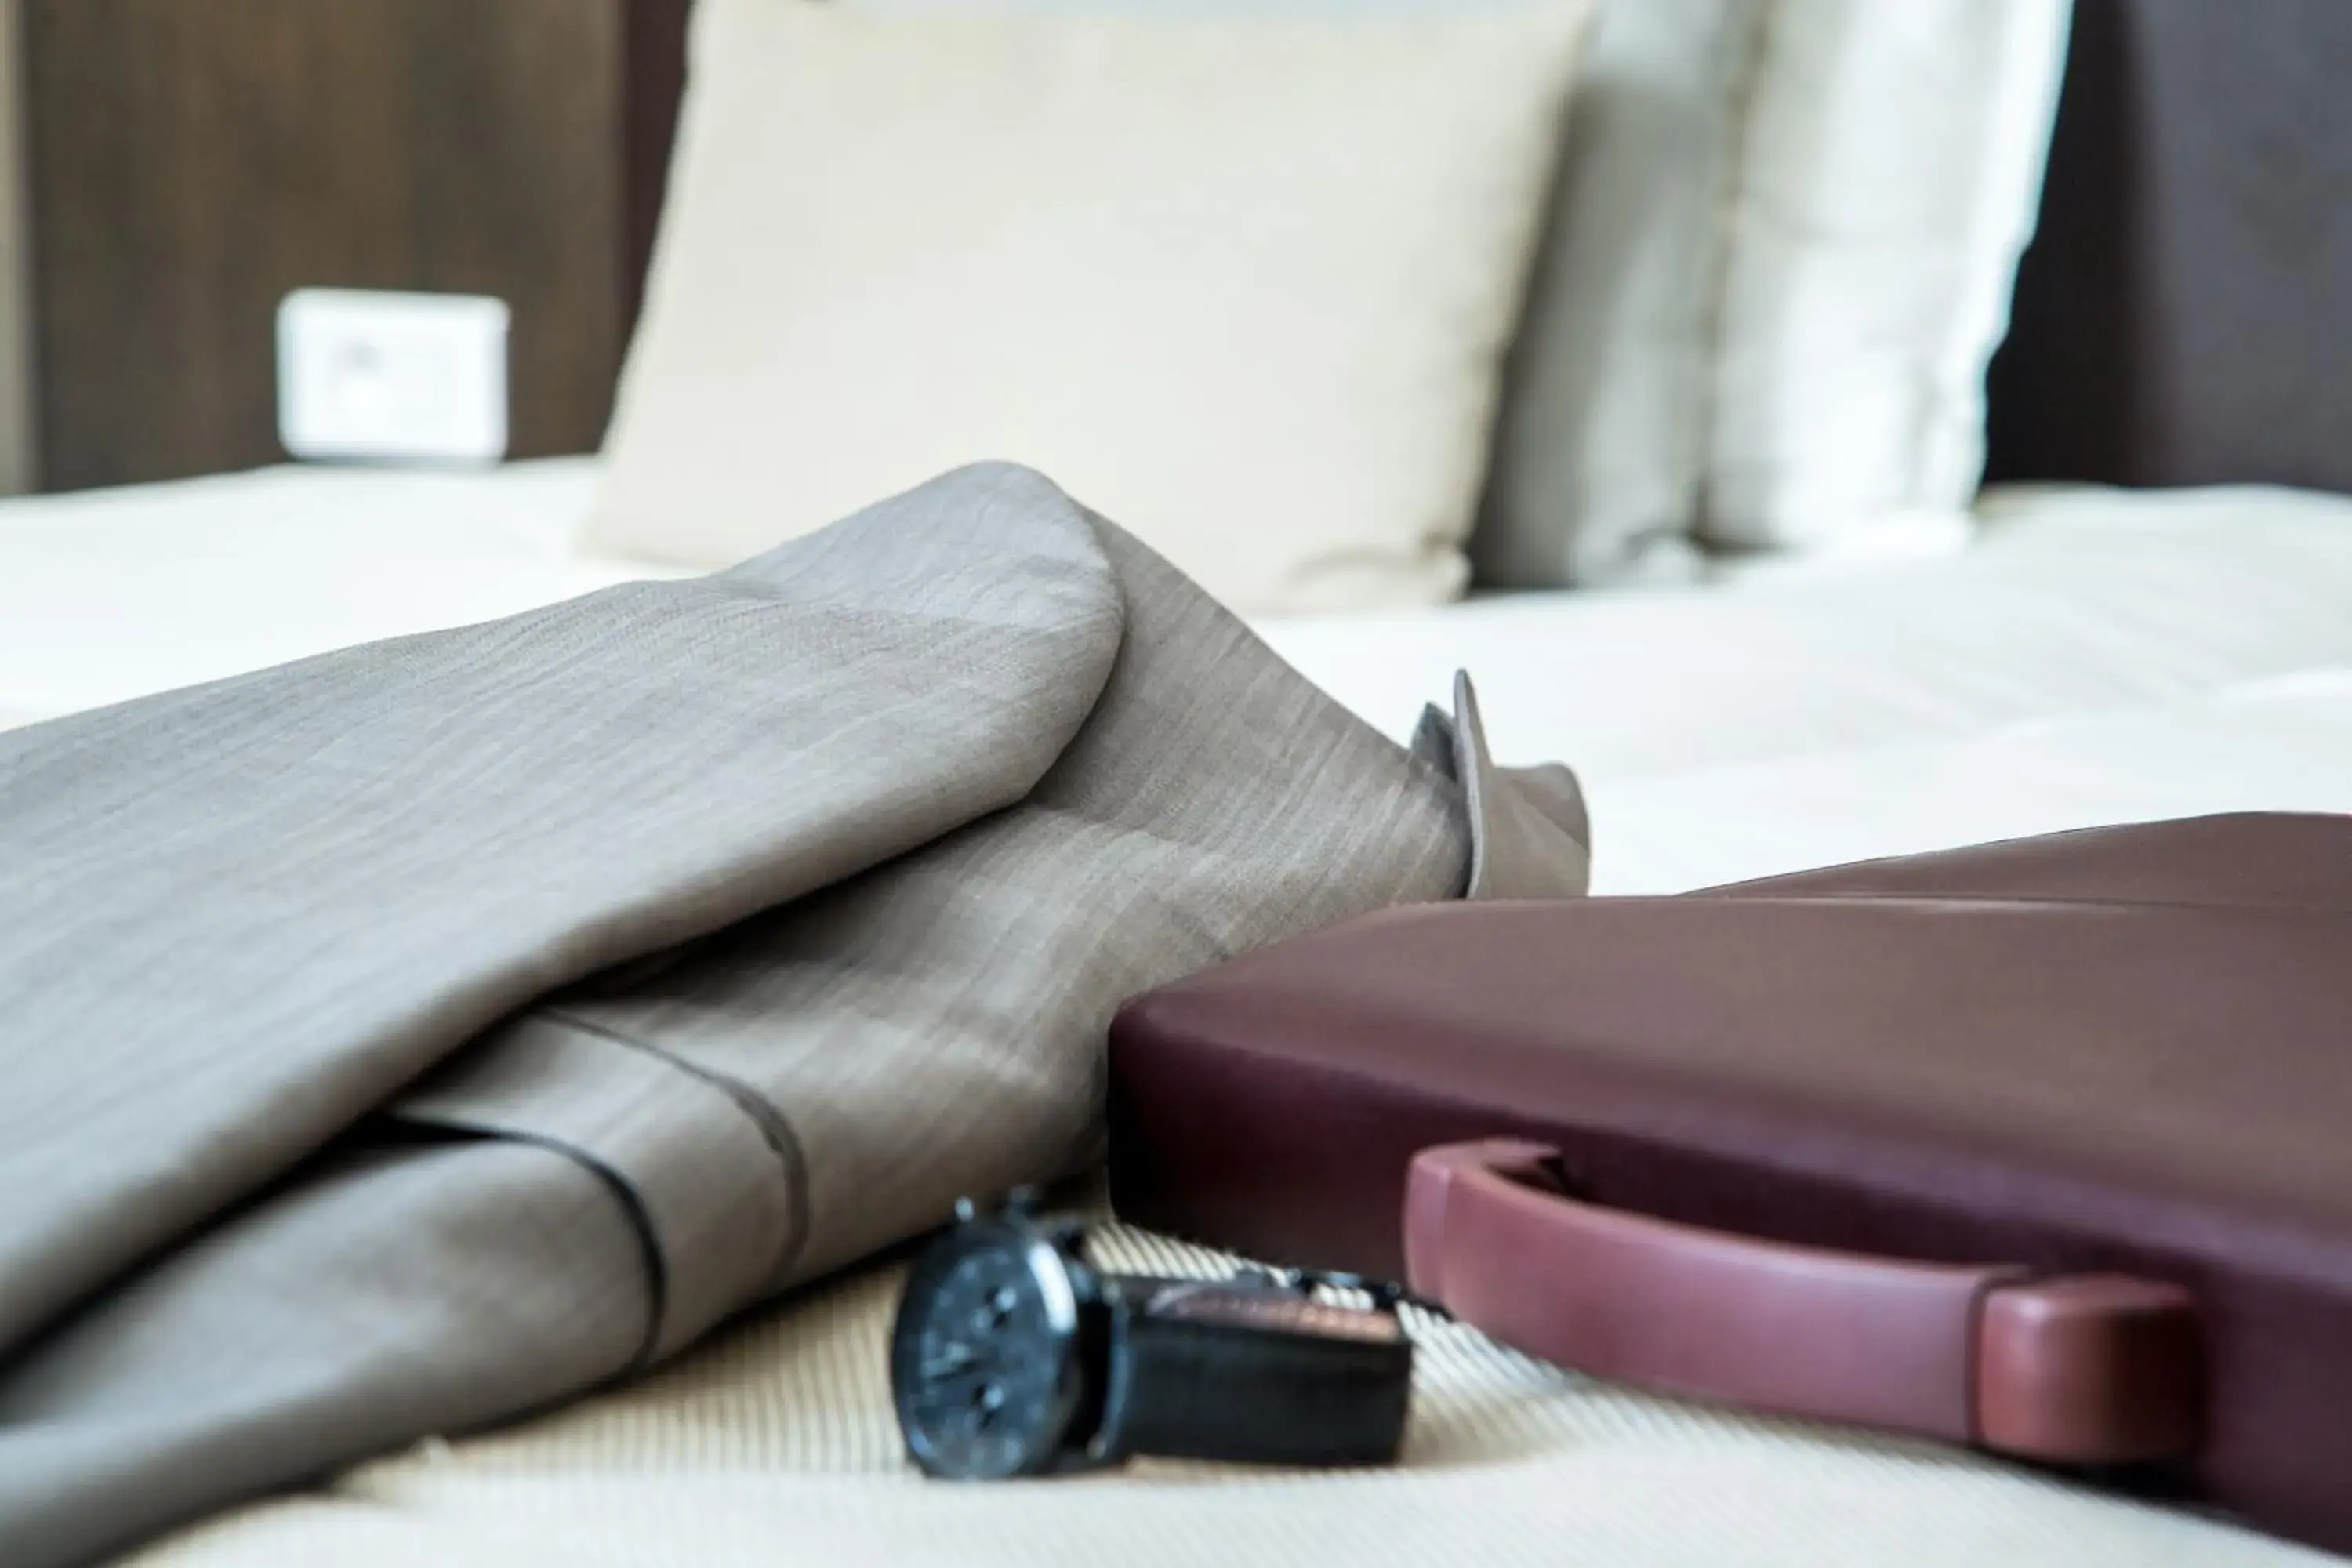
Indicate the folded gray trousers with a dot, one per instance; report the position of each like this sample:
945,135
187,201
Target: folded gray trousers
423,1034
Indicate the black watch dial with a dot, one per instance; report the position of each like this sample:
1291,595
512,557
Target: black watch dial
984,1357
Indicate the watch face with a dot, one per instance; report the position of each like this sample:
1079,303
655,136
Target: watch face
983,1359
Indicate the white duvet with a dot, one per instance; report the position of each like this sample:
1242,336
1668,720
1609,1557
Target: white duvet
2096,658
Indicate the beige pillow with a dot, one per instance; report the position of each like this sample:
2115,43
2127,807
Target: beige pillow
1240,283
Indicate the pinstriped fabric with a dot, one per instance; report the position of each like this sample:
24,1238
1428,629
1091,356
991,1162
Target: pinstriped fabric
714,1193
934,1027
815,884
362,1288
236,918
774,1443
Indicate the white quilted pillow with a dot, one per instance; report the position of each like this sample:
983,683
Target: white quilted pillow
1889,176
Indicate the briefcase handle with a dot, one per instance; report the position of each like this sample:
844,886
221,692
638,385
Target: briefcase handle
2089,1369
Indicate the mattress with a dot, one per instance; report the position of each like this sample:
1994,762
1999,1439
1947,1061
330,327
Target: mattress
2097,656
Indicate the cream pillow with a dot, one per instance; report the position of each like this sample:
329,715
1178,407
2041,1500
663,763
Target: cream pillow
1240,283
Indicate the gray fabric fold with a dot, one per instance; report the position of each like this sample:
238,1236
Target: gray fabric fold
237,917
1530,837
412,1036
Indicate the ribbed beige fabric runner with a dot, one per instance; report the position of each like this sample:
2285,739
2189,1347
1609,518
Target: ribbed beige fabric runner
774,1444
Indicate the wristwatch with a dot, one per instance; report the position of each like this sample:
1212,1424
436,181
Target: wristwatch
1013,1356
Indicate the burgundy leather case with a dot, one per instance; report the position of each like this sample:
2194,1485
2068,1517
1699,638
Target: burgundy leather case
2044,1145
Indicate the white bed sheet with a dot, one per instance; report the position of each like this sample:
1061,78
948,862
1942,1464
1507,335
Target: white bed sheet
2097,656
110,594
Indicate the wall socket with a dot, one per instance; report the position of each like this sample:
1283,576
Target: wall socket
368,374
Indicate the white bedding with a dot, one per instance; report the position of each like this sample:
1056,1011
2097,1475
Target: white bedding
2097,656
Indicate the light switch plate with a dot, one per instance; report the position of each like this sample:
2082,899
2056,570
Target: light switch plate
374,375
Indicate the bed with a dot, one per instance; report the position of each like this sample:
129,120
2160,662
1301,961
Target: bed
2097,655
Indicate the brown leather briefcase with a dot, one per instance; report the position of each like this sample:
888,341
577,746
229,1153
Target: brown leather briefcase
2044,1146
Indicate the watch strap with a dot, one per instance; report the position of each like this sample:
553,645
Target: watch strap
1251,1374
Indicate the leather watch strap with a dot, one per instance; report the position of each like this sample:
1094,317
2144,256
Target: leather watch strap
2077,1370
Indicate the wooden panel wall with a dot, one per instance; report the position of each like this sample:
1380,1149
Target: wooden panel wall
654,88
2183,314
194,160
18,459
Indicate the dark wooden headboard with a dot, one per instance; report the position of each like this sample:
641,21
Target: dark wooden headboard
653,82
187,162
2185,313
